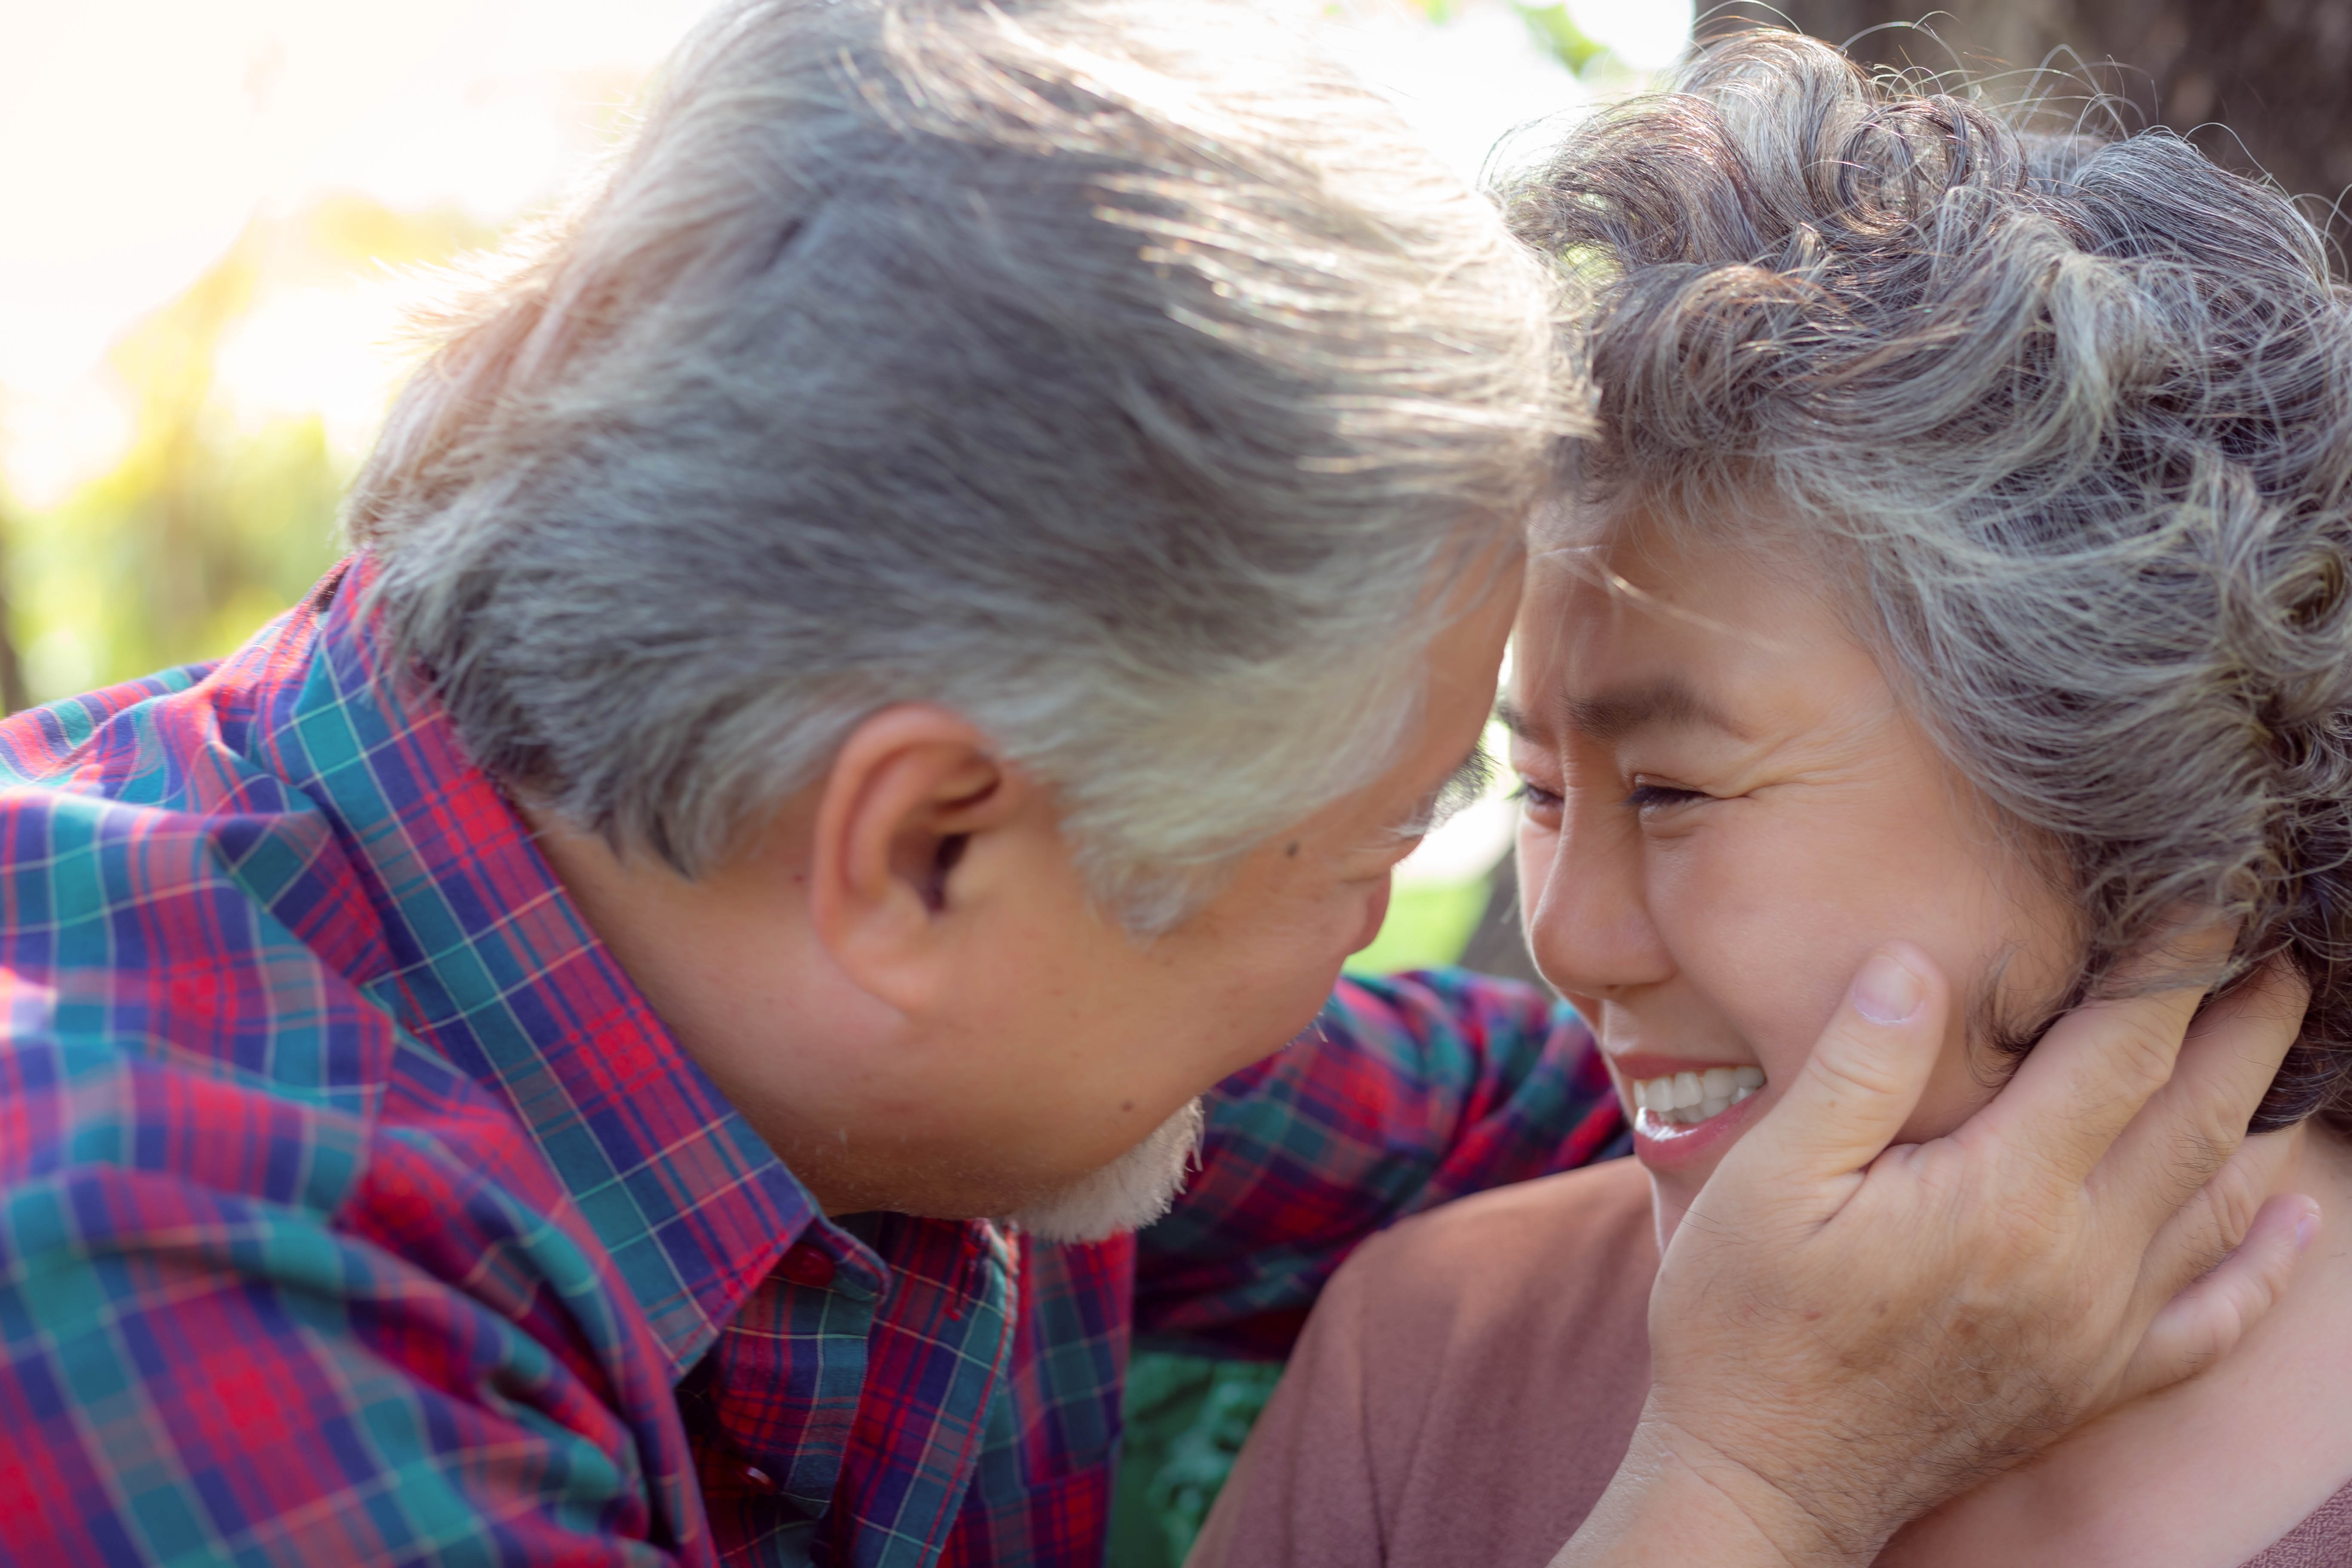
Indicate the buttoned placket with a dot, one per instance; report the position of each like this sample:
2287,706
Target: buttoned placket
791,1368
786,1380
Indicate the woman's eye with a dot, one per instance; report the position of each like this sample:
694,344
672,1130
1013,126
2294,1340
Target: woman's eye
1536,796
1654,797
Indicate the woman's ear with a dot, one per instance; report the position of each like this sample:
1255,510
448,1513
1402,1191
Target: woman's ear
905,796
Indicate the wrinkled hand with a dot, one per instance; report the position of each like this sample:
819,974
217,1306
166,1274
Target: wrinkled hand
1846,1335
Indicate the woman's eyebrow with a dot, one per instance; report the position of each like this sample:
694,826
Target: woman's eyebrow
1610,716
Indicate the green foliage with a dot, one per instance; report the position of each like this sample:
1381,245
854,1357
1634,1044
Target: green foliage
1558,33
1426,926
1185,1419
1553,28
201,530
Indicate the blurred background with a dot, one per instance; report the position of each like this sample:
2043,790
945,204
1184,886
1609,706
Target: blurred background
215,215
212,217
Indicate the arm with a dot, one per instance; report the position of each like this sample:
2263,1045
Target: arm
1844,1334
1408,1091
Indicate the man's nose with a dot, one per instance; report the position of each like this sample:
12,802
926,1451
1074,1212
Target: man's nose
1590,926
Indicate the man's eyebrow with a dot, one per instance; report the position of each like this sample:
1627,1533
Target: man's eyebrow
1663,704
1462,787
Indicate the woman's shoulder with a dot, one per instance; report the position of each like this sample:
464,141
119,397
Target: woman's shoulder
1582,1234
1552,1275
1500,1337
1463,1391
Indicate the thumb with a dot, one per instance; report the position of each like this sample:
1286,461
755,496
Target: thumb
1864,1076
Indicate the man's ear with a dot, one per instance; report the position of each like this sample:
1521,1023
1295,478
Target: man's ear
904,796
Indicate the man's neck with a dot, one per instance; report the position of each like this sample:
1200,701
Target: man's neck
727,964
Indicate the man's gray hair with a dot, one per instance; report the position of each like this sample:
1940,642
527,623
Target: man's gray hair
2076,411
1119,373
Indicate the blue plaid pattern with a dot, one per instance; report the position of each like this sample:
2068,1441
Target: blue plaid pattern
355,1209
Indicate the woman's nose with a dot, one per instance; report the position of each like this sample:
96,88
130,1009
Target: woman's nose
1589,921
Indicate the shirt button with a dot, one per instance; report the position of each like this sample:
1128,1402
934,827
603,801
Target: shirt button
807,1266
754,1476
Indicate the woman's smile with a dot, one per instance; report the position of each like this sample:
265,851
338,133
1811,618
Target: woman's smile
1684,1111
1706,938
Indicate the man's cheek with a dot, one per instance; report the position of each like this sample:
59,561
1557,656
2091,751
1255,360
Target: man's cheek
1282,1008
1375,915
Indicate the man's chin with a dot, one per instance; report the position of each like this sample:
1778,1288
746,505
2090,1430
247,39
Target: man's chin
1125,1194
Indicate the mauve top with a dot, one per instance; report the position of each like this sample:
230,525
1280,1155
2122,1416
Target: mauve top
1445,1412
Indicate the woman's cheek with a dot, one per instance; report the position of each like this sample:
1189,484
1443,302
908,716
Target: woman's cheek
1957,1088
1775,972
1782,1043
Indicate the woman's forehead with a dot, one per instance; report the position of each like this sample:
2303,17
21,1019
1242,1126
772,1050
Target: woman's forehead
1694,646
1687,598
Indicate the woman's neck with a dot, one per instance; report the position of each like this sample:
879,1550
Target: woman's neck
2210,1471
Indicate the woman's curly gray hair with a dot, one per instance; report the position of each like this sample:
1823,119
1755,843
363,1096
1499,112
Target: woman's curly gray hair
2078,412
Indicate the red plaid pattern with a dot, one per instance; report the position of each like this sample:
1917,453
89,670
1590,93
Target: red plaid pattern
354,1208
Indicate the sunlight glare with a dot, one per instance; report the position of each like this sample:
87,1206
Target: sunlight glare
138,140
1647,34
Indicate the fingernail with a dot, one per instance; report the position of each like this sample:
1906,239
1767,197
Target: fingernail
2305,1228
1886,992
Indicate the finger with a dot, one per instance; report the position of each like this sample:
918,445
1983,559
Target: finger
2095,1068
2192,1125
1861,1081
2205,1322
2216,1217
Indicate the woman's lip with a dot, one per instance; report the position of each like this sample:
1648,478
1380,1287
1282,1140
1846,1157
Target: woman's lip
1663,1145
1671,1146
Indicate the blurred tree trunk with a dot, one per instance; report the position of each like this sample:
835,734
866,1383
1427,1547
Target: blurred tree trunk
13,696
2257,84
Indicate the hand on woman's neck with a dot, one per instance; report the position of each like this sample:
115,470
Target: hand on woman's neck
2207,1472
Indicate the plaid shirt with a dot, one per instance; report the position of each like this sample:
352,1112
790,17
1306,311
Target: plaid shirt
355,1209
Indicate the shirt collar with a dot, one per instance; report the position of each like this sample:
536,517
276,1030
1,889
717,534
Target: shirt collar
493,966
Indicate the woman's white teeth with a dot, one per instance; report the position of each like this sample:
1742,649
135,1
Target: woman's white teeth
1687,1099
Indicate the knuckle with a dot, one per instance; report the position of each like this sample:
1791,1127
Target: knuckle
1853,1073
2037,1186
2200,1156
2140,1052
2233,1203
2023,1223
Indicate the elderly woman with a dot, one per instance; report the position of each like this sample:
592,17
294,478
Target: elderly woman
1965,555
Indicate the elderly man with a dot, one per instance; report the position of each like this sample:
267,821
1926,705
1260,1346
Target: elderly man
892,649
